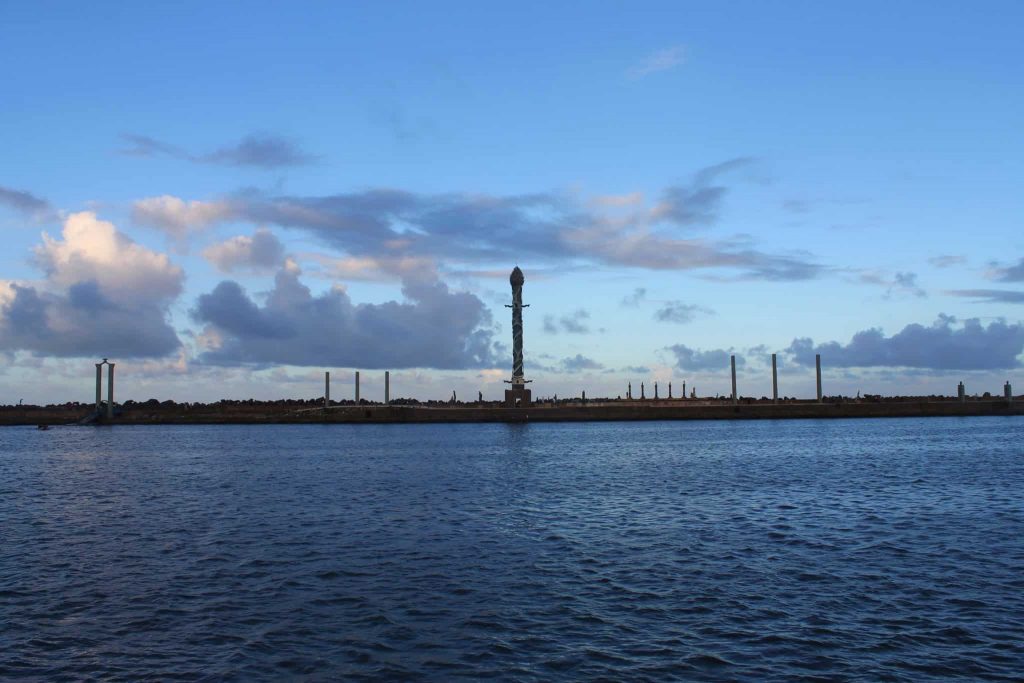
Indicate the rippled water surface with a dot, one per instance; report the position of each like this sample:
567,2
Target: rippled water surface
870,549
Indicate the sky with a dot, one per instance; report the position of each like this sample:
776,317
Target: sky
227,200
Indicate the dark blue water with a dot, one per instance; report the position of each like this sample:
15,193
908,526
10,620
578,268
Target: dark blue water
813,550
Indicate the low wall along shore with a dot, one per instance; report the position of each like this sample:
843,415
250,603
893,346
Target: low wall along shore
270,413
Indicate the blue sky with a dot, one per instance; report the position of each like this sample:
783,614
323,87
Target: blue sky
676,180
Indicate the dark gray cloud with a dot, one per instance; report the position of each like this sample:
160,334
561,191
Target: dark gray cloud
940,346
573,323
433,328
900,283
693,359
678,312
635,299
84,322
1011,273
23,201
261,150
991,296
580,362
699,201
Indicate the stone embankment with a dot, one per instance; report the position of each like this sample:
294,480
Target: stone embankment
298,412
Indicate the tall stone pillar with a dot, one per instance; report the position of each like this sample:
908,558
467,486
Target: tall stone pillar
775,381
817,368
732,363
357,387
327,389
387,387
99,387
110,392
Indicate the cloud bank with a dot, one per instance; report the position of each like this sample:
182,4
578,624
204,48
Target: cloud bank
941,346
433,328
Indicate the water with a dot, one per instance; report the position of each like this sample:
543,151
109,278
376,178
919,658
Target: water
871,550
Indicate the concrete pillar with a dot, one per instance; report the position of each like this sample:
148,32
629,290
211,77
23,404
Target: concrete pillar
110,392
99,386
732,363
817,369
357,387
1008,392
961,392
387,387
327,390
775,380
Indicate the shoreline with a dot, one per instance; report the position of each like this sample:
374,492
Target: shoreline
593,412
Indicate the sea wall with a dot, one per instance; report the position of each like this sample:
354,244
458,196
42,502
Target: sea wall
612,411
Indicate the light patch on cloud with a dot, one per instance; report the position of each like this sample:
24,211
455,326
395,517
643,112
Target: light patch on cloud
944,345
662,60
177,217
260,252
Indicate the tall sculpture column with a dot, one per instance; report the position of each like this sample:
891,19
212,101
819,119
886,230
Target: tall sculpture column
110,392
518,394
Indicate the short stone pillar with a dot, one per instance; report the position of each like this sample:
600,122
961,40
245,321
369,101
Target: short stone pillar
732,363
583,395
1008,392
961,392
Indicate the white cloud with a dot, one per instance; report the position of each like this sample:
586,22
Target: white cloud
179,218
103,295
92,250
662,60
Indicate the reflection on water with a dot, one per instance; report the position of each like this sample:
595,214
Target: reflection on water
710,550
